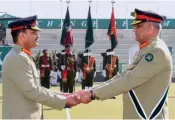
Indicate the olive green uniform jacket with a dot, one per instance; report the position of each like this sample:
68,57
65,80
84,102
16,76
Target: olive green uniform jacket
22,93
144,84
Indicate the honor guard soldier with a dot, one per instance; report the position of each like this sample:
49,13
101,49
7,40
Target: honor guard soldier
146,81
59,66
110,64
88,65
67,65
45,63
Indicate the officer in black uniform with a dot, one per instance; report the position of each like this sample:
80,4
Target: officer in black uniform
68,70
110,64
45,65
88,67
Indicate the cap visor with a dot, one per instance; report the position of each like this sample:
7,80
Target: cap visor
36,28
136,22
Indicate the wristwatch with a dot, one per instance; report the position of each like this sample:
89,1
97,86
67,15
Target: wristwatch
93,97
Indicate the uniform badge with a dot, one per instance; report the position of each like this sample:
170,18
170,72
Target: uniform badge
149,57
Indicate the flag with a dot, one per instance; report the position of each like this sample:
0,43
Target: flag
112,31
67,34
89,40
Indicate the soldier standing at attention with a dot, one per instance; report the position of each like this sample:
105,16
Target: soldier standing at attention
88,67
45,65
59,70
68,70
110,64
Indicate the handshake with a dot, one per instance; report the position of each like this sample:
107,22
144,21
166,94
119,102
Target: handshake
82,96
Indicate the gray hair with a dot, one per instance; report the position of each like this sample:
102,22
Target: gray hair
158,26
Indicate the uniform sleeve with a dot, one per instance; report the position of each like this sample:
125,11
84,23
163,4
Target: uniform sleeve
22,76
104,62
141,73
75,64
50,63
81,64
94,65
117,64
40,62
60,62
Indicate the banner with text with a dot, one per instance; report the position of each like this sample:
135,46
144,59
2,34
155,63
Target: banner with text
97,23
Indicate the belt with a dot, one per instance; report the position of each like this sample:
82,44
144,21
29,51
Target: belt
69,68
45,66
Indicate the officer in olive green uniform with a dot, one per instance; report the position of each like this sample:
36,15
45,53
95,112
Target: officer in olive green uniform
145,83
22,93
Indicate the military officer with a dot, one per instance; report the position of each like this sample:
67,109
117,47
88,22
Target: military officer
22,93
110,64
45,65
145,83
68,70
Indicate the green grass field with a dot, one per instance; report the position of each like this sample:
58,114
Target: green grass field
108,109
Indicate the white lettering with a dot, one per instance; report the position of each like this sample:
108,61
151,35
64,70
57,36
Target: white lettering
61,24
84,23
73,23
95,24
166,23
124,23
50,23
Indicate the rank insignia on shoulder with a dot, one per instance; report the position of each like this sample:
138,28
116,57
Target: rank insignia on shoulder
149,57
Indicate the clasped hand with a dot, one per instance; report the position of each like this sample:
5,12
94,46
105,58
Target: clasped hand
73,99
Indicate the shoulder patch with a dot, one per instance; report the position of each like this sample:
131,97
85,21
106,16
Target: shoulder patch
149,57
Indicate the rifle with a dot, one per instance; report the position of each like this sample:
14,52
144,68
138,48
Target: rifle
37,58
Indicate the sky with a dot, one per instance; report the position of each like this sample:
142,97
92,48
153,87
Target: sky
56,9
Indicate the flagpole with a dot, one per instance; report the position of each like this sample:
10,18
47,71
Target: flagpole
68,1
97,15
68,109
112,1
61,15
30,7
90,1
160,34
126,14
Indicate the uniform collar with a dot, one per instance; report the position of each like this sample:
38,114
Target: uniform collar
19,48
28,52
150,41
146,43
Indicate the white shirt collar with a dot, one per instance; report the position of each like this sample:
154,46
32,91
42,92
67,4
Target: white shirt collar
87,54
110,53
